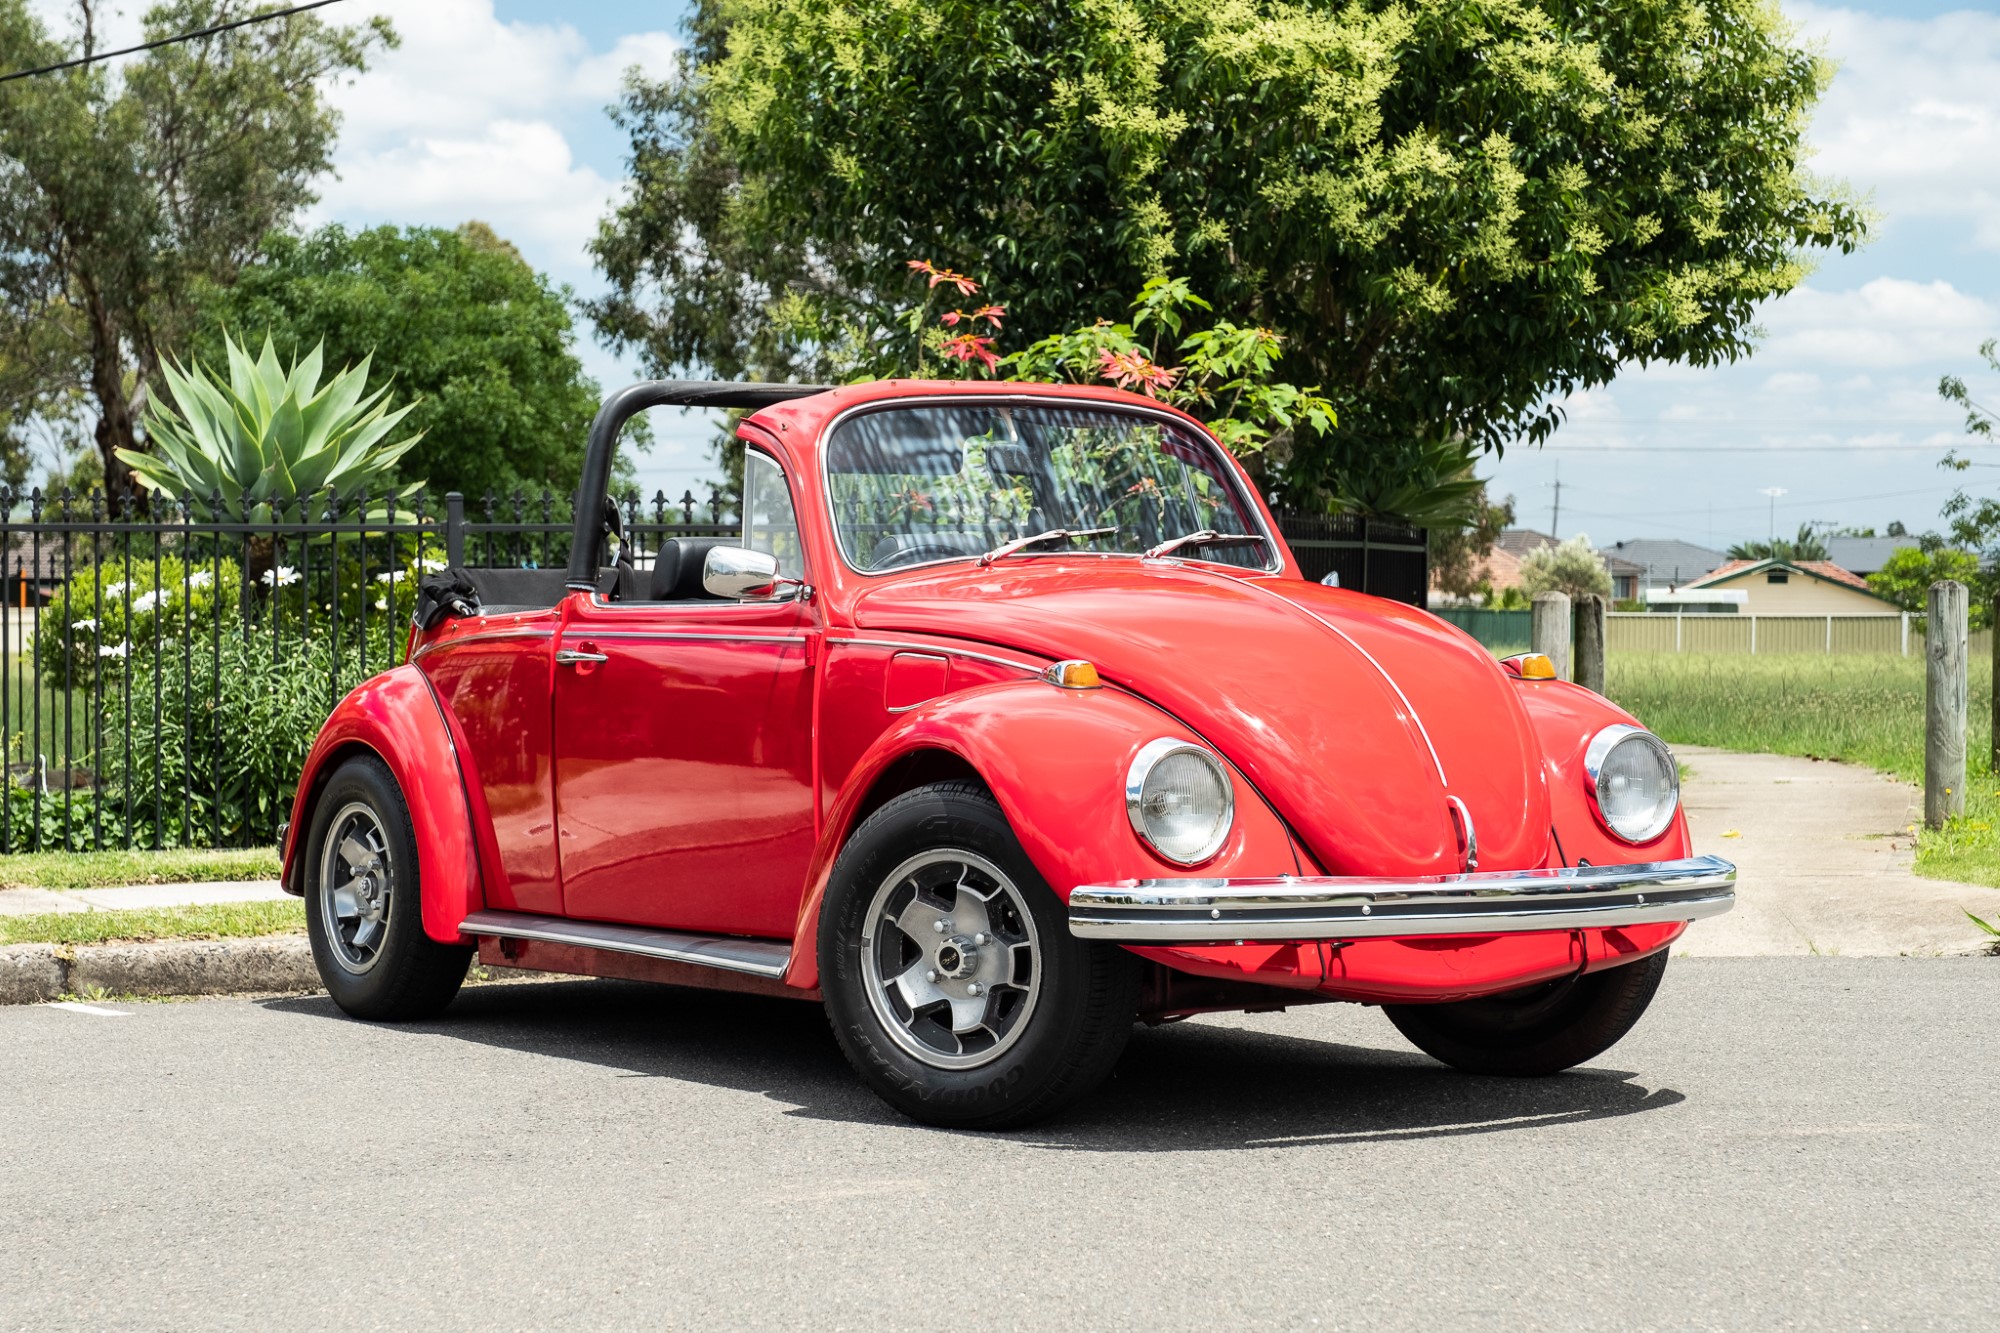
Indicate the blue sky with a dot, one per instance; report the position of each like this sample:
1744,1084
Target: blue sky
494,109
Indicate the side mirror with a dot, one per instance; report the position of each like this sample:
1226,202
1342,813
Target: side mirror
746,576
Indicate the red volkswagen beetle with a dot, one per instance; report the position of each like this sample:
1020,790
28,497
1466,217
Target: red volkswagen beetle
1007,721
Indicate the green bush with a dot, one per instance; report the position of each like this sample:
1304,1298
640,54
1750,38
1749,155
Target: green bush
107,612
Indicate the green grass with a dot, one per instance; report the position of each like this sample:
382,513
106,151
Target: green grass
212,922
93,870
1858,709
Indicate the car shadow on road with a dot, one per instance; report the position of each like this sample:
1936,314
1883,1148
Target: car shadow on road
1186,1087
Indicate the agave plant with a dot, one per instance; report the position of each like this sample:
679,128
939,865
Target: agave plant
269,437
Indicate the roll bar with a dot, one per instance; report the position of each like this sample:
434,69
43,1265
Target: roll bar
621,407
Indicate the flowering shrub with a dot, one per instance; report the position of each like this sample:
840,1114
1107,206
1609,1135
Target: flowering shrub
94,619
1222,375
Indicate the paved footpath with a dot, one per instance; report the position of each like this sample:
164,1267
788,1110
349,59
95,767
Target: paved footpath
1824,854
1783,1143
33,902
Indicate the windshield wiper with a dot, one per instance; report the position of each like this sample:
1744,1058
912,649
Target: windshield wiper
1206,537
1006,549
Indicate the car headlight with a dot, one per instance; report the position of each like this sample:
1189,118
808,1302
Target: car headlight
1635,785
1180,800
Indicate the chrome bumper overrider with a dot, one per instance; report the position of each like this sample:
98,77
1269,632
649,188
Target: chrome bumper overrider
1225,911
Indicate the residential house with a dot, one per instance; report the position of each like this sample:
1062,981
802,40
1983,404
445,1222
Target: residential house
1864,555
1664,564
1778,588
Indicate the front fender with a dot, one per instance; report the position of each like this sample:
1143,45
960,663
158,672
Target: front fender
1565,717
395,717
1055,759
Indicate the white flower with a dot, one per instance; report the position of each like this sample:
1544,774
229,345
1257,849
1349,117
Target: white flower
114,589
381,604
113,650
86,624
393,576
433,566
283,576
147,601
201,578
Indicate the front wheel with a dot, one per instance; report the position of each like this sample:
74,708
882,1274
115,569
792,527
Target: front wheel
951,978
1538,1030
364,908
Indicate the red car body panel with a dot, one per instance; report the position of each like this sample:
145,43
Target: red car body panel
706,776
396,717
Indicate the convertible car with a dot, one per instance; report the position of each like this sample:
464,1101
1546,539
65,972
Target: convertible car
1007,721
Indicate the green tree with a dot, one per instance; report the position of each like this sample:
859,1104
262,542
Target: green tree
456,320
122,190
1452,215
1573,568
1906,577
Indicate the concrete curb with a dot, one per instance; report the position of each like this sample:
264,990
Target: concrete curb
38,973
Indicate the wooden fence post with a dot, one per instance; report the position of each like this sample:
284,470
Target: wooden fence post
1591,628
1945,661
1549,630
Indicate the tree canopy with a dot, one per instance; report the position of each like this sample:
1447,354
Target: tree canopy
1574,567
456,321
121,191
1454,215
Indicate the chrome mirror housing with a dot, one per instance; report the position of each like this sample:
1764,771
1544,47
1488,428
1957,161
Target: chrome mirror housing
746,576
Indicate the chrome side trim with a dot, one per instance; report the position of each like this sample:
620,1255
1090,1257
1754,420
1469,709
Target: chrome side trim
1226,911
757,958
579,633
484,636
935,648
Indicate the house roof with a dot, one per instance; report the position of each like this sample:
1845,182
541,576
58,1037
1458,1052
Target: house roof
1821,569
1666,562
1864,555
1619,567
1518,542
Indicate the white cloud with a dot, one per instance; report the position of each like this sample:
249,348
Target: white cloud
1882,323
1913,115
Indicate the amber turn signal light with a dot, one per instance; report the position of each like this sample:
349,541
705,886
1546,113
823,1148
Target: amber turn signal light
1074,675
1530,666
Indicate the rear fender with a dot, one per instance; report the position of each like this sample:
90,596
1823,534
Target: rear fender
1055,759
396,717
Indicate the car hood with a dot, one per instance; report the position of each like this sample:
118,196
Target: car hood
1358,719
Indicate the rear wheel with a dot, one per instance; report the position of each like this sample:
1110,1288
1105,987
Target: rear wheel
1536,1030
951,978
364,907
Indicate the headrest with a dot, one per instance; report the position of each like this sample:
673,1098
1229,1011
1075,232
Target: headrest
677,569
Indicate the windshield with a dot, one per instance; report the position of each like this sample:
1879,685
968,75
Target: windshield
911,485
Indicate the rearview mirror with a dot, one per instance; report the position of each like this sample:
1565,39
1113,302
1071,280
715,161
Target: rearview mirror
745,576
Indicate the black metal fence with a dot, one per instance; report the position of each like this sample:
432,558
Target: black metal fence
1386,559
165,669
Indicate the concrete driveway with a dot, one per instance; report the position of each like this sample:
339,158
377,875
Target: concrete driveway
1824,852
1782,1143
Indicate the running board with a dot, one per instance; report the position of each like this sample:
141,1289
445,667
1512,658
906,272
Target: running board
757,958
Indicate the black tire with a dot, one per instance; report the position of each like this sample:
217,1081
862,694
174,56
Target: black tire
399,973
1539,1030
1063,1040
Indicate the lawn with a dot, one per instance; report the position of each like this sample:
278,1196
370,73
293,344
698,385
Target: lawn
93,870
1859,709
210,922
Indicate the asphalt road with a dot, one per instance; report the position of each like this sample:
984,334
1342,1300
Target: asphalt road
1783,1143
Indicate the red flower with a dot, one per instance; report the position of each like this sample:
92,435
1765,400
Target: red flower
1135,369
990,313
971,347
950,318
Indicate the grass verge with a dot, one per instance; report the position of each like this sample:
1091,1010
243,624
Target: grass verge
1859,709
97,870
215,921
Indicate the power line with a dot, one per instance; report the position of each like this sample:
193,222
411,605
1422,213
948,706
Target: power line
167,41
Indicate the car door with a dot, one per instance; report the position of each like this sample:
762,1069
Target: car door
683,745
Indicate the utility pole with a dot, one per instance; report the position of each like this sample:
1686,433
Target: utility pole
1556,515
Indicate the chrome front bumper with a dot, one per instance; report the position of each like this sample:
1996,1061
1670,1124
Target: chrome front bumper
1228,911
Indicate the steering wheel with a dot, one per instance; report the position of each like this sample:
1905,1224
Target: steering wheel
916,555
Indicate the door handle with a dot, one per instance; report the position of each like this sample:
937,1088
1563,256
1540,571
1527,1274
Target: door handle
570,657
